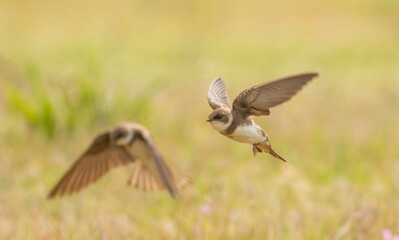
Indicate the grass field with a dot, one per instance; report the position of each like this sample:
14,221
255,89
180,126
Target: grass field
71,69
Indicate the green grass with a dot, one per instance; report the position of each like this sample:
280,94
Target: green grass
69,70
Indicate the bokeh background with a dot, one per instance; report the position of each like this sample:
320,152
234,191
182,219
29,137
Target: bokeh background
72,69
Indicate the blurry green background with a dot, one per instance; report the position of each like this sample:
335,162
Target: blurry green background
71,69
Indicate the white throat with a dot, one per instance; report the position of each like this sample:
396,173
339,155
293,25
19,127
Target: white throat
221,126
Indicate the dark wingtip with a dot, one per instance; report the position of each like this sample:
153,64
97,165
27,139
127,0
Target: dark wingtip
215,80
313,74
51,195
174,195
173,192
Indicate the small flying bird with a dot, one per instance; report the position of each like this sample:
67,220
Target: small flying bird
236,123
125,144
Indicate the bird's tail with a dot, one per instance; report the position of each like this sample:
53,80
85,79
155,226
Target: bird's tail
274,154
145,179
267,148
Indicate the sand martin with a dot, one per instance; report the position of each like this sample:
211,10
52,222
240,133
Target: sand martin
125,144
236,123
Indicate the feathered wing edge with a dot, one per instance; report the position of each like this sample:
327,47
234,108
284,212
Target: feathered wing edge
99,158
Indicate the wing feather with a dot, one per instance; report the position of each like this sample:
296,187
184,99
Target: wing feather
135,175
257,100
94,163
144,179
153,161
147,182
217,94
151,171
154,184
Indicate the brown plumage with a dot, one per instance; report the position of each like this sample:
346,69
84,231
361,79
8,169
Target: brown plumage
257,100
236,122
126,144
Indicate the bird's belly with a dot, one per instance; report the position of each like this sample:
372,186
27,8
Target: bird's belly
247,134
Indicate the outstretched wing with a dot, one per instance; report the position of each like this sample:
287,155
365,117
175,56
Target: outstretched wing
98,159
257,100
217,95
151,172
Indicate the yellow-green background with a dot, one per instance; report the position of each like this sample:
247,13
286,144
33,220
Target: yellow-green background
71,69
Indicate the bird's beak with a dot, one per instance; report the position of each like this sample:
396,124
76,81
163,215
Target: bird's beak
209,120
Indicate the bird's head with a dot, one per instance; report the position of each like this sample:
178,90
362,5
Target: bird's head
121,136
220,119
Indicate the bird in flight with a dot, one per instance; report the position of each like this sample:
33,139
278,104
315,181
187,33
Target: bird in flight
236,122
126,144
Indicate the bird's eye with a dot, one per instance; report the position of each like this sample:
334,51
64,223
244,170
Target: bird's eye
218,116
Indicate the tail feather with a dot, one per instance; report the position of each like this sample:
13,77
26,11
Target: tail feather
274,154
145,179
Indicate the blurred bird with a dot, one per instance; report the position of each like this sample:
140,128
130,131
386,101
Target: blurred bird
236,123
125,144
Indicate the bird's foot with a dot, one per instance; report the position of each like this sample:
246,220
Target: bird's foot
254,150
